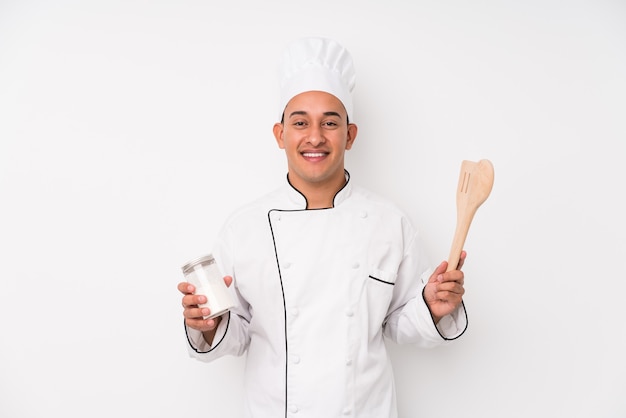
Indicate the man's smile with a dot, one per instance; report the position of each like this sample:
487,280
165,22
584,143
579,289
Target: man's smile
313,155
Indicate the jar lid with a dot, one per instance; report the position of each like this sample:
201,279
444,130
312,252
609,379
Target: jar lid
206,259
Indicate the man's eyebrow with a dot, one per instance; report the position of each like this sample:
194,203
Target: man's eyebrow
303,113
298,112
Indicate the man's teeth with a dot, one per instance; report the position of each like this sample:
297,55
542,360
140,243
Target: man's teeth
313,154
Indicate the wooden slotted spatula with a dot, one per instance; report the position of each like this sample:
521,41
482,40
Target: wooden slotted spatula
475,183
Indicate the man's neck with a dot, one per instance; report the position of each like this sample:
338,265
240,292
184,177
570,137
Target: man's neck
322,195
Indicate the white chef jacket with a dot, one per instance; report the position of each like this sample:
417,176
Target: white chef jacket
317,290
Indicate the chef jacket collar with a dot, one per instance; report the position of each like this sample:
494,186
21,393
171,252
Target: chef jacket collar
299,200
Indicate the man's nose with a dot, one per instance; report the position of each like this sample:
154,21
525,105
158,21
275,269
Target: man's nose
316,135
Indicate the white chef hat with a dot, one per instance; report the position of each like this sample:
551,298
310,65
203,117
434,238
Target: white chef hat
317,64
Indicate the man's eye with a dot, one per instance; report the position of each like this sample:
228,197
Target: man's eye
330,124
298,123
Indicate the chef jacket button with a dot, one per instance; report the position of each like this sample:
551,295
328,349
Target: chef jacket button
286,265
347,411
349,312
295,359
294,312
355,265
363,215
349,362
293,408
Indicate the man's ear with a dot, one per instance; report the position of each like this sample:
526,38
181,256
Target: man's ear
278,134
352,131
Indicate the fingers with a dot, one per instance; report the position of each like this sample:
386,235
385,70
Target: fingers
449,289
192,301
449,286
461,260
452,276
195,315
194,312
441,268
460,263
186,288
440,274
203,324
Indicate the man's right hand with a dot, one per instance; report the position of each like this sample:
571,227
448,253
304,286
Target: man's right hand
194,315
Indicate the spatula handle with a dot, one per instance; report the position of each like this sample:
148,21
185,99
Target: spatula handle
460,234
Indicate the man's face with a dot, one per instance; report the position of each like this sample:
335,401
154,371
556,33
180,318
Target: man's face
315,135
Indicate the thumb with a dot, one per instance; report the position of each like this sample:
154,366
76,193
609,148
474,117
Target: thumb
441,268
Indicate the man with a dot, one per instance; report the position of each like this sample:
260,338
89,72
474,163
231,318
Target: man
321,268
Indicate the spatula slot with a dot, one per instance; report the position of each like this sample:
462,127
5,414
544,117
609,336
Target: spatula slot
466,182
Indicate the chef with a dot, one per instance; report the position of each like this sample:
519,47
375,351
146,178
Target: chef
323,270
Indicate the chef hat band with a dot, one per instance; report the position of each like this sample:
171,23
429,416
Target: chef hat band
317,64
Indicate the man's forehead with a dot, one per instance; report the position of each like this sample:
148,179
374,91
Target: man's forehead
315,102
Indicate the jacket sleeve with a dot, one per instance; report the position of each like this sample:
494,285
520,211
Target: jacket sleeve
231,339
409,320
232,336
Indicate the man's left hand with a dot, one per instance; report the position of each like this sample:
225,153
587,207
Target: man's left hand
444,291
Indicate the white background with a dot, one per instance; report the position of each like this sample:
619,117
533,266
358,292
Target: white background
130,129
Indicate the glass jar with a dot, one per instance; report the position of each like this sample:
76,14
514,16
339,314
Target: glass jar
204,274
